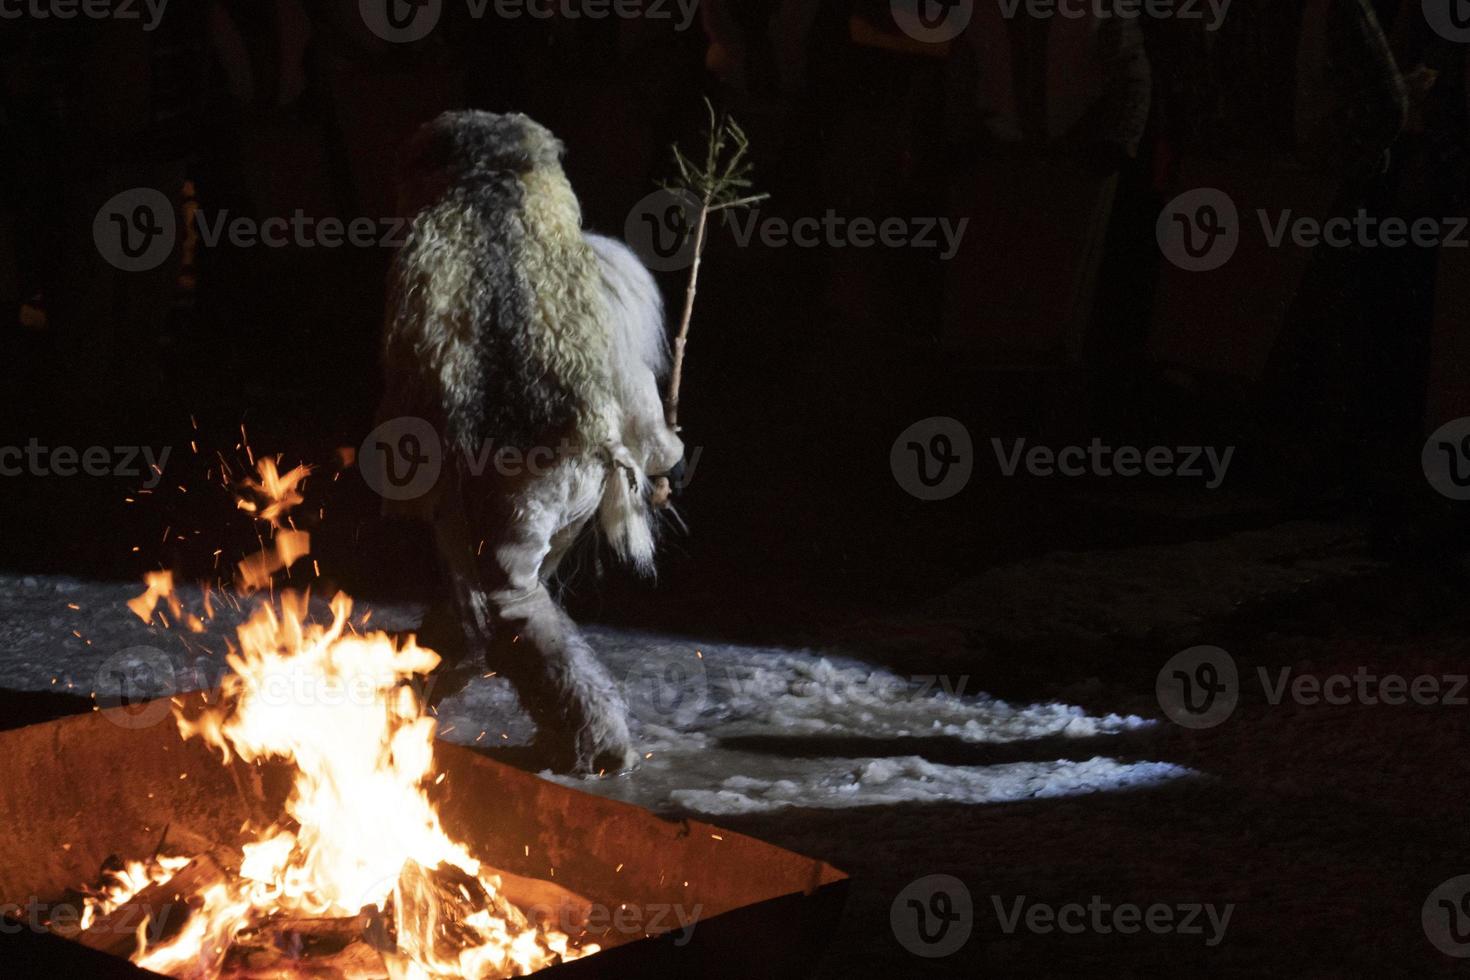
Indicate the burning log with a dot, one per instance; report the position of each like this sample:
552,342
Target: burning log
304,947
358,961
156,912
431,905
760,910
350,871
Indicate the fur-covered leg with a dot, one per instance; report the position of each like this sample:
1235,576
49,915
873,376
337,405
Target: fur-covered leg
581,718
512,620
443,632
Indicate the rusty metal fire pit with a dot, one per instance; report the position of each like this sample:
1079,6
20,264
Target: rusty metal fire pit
76,790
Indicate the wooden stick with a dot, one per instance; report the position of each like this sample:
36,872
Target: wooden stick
681,339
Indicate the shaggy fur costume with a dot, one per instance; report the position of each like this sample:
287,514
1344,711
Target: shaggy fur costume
510,328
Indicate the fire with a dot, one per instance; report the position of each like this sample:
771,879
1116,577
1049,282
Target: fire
122,884
360,836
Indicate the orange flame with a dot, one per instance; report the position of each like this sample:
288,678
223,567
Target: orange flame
359,832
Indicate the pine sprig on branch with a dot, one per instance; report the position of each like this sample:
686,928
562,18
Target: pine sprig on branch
721,184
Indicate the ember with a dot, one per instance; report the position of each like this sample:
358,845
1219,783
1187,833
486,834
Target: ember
357,878
362,852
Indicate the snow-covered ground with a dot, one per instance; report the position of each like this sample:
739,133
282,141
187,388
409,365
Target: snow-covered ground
722,726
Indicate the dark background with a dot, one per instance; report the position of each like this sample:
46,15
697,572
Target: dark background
805,364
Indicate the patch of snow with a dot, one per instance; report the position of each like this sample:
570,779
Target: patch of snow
722,725
838,783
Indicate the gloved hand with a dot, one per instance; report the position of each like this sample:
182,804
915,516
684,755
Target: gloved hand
668,486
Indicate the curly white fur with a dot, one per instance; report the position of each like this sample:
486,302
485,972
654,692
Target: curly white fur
510,326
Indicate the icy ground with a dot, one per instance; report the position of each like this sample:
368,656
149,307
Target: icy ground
725,729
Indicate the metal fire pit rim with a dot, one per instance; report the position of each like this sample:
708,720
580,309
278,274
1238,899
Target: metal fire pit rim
817,902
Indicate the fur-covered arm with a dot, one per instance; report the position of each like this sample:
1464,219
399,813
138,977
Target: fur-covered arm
640,354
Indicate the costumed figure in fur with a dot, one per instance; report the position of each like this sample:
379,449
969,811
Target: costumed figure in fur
510,328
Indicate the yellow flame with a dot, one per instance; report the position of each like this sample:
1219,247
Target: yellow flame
277,492
342,708
360,832
160,586
119,887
